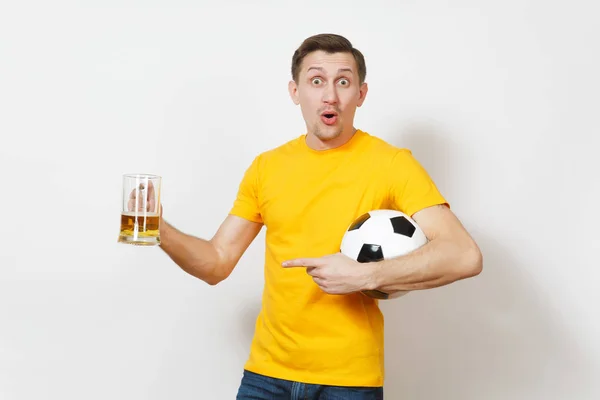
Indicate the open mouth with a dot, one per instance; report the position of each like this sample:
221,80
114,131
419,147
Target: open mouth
329,118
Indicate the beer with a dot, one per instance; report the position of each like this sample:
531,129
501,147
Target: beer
139,228
140,210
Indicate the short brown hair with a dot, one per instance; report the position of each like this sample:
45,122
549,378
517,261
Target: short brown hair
330,43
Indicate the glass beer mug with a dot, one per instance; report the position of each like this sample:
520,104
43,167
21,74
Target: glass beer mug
140,216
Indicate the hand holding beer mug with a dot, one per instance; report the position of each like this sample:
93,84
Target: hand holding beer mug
140,216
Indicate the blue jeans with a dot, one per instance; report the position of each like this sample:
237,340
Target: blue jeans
260,387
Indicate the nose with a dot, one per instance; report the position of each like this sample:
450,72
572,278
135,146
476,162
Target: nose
330,95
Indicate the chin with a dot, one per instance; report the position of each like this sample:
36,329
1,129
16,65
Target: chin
328,132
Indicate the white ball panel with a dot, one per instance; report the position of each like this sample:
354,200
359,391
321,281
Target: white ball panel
352,242
396,245
375,230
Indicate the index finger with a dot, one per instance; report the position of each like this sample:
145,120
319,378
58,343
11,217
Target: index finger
141,187
302,262
146,198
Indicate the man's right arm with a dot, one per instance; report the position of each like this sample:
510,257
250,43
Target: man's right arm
210,260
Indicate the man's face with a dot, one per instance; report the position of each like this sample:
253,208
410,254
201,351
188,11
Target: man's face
328,91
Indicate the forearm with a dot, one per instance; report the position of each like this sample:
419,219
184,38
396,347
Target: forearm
196,256
437,263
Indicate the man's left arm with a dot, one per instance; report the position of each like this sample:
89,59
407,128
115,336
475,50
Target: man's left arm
450,255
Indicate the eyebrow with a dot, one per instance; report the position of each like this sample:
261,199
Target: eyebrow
339,70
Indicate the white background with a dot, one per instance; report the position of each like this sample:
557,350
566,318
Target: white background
498,100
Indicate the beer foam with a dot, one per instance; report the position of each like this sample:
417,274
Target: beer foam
140,213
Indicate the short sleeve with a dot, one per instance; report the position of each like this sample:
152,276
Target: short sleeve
246,204
411,187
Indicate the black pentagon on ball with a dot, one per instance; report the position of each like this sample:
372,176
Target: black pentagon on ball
403,226
376,294
369,253
359,221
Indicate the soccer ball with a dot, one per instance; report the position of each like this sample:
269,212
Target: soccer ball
381,235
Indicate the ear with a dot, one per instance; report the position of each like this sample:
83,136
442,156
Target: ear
364,88
293,89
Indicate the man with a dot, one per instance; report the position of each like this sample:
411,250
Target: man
317,336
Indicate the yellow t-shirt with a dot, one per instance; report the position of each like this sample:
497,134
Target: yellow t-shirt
307,199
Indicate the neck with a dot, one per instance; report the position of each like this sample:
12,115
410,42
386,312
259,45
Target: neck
315,143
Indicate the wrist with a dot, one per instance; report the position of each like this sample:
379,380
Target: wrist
164,230
373,276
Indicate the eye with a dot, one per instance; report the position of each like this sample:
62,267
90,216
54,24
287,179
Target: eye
344,82
316,81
